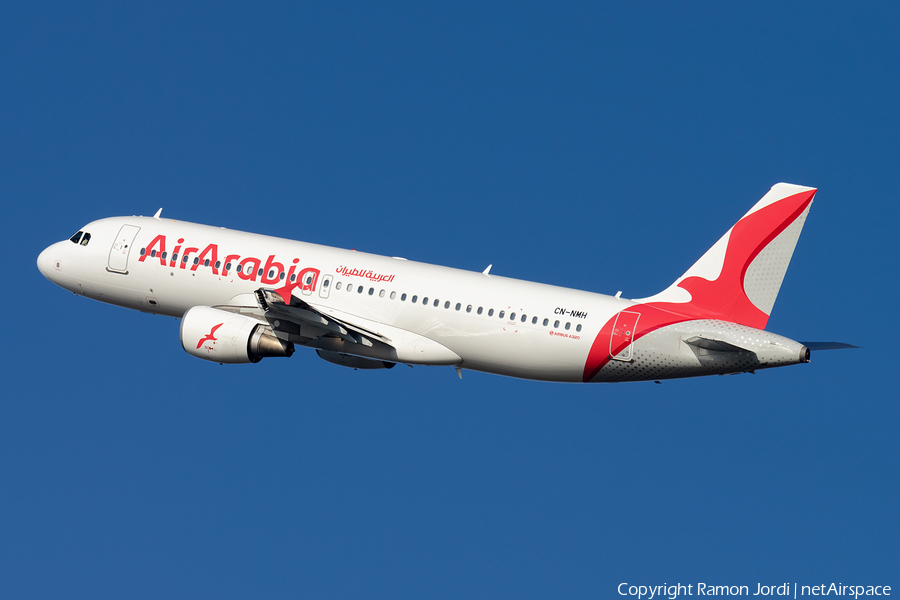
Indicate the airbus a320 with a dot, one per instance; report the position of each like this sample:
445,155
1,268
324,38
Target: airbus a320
242,297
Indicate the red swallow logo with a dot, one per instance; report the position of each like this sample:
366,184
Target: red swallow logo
209,336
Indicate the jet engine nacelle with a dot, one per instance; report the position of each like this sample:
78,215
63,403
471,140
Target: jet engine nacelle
226,337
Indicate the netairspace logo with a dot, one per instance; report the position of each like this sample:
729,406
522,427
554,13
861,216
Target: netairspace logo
649,592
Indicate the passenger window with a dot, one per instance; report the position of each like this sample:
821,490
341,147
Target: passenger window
281,276
371,291
568,325
206,263
218,262
403,297
196,260
425,300
447,304
502,312
393,295
524,318
227,266
239,269
436,302
164,255
458,306
143,251
259,273
534,320
271,273
556,324
337,286
479,310
578,328
469,308
75,238
325,283
512,316
490,312
360,289
546,321
414,299
381,294
175,258
184,259
349,287
153,253
86,239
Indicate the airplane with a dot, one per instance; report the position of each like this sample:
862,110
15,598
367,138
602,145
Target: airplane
243,297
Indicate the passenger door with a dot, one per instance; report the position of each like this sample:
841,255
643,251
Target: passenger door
620,346
118,254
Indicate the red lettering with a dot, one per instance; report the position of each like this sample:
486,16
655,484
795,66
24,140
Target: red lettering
270,264
161,240
311,275
175,252
187,252
248,273
213,251
228,260
290,273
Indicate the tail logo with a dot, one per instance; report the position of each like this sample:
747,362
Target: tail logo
723,297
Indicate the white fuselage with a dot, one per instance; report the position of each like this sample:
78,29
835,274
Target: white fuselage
243,296
494,324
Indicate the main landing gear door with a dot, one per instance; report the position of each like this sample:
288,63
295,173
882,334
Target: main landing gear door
118,254
620,341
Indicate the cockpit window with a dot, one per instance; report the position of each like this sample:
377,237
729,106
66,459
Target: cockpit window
75,238
86,239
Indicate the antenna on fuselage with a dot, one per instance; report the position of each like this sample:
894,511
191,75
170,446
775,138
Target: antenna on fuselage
488,270
156,216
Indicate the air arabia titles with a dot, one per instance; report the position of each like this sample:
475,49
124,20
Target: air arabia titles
374,277
248,268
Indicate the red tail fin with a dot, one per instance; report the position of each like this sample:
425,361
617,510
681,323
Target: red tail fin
738,279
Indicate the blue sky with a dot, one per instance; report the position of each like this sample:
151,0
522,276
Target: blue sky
597,146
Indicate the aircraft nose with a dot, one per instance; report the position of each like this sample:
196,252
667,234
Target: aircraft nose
46,261
42,261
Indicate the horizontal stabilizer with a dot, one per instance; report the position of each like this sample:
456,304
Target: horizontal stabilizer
714,345
828,345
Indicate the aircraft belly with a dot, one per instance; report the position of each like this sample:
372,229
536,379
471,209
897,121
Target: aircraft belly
517,352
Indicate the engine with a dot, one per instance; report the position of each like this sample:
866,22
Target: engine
225,337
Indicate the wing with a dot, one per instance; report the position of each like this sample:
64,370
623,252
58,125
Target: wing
327,329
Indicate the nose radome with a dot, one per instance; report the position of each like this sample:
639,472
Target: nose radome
42,260
46,261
